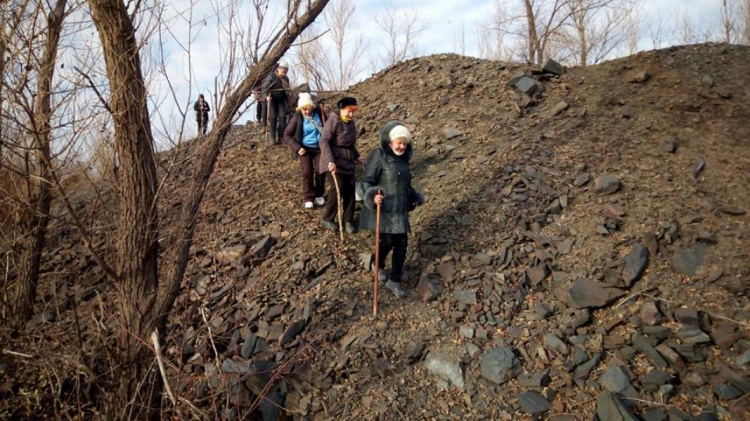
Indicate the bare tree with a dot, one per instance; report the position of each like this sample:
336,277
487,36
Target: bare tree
146,297
543,20
459,38
492,38
594,29
633,26
402,27
686,31
657,31
332,59
733,16
31,90
535,23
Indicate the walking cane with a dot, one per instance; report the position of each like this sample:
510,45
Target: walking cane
377,259
340,206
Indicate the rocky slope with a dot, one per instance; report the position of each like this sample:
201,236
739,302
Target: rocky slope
583,252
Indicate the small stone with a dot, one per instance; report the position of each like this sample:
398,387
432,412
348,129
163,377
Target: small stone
692,335
687,316
588,293
654,415
641,344
635,263
639,77
533,380
609,407
654,379
606,184
500,365
614,380
650,313
669,146
727,392
581,180
693,379
534,403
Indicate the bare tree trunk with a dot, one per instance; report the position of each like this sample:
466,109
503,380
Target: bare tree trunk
35,217
144,306
137,245
533,41
222,123
727,25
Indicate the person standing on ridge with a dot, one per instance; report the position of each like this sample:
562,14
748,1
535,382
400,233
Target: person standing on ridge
276,88
261,107
201,109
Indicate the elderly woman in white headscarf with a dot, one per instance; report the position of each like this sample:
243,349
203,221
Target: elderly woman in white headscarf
387,182
302,135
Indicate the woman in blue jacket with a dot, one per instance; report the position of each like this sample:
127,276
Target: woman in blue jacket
302,134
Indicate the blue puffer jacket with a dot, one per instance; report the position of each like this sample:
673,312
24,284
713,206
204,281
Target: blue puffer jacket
390,173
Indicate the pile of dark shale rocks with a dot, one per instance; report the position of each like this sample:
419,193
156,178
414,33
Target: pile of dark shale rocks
511,313
529,334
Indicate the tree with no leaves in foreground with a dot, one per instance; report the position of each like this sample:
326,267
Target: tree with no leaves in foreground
146,296
27,161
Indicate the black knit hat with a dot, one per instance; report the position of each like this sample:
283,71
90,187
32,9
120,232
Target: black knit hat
346,101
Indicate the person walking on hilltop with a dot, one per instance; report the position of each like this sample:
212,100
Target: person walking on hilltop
201,109
261,107
387,183
303,134
276,87
339,158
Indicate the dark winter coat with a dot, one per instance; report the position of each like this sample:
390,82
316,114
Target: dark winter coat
276,87
338,145
201,112
390,173
293,133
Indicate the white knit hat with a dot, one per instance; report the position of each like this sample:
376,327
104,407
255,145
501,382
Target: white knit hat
304,100
399,132
283,65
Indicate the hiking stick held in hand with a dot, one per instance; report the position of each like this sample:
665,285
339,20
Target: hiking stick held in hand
339,205
377,259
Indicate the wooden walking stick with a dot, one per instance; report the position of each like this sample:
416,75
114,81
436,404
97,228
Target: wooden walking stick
340,206
377,259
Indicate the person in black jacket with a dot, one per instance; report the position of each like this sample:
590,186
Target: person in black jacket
276,88
387,182
261,107
302,134
339,157
201,109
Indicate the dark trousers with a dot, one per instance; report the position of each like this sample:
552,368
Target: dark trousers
346,185
396,243
277,115
261,112
202,124
313,183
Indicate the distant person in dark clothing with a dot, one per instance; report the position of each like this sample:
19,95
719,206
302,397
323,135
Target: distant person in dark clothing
276,88
387,182
261,107
201,113
339,157
303,135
